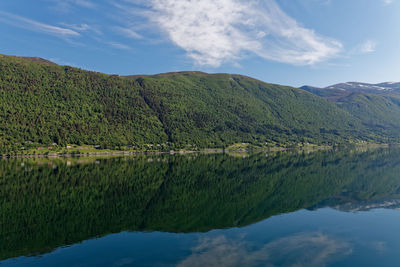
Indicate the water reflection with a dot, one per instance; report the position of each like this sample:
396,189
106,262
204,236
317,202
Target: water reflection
47,203
304,249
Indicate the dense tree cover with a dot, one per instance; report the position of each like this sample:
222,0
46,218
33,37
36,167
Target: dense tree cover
223,109
45,103
48,203
42,103
378,112
377,109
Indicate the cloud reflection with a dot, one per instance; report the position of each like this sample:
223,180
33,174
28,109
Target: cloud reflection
304,249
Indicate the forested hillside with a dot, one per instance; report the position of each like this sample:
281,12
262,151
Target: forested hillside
42,103
377,106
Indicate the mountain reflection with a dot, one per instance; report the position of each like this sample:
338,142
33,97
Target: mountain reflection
49,203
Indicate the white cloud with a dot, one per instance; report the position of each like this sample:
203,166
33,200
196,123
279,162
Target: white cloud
127,32
387,2
32,25
367,47
213,32
83,28
66,5
118,45
83,3
78,27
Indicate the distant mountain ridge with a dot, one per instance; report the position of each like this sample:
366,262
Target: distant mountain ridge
340,90
358,86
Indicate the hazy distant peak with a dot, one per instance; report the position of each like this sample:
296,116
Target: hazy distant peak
354,87
351,86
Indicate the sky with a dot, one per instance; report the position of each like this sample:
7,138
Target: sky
289,42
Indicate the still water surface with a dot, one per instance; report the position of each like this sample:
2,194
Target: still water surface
329,208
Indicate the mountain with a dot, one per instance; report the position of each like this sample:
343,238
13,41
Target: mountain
225,108
44,103
377,106
342,90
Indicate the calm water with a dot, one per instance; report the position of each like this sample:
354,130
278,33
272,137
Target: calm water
286,209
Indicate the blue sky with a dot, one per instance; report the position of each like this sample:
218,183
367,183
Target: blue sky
291,42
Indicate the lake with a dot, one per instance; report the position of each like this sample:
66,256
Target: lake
326,208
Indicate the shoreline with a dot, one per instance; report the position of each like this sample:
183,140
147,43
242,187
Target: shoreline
182,152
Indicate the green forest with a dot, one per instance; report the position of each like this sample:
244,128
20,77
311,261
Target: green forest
43,104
